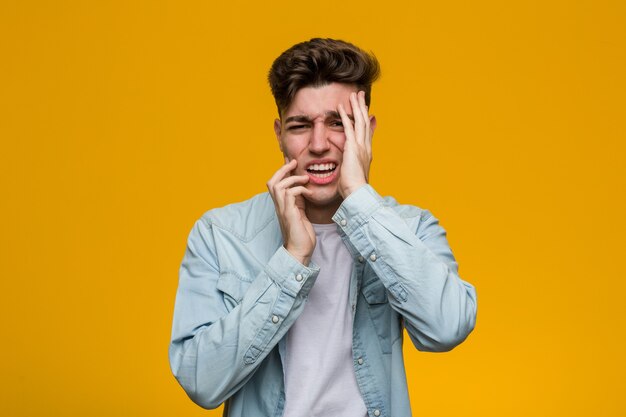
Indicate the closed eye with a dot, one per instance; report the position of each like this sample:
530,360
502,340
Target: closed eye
336,125
295,127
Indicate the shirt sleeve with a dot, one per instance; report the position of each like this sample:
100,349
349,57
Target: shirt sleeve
416,266
214,351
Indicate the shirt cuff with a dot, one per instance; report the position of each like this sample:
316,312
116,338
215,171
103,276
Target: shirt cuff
358,208
289,274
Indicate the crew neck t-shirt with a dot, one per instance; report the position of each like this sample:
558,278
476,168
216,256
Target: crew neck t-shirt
319,373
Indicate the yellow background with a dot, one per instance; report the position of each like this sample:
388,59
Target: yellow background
123,121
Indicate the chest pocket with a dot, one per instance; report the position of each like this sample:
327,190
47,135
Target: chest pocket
384,319
375,292
379,310
233,288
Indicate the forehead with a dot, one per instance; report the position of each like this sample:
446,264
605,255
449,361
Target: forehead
315,101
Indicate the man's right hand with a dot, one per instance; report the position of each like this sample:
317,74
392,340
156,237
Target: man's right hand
288,193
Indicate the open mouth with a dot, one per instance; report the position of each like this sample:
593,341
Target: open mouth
322,170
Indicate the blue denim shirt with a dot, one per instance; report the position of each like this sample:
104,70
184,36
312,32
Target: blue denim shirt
240,291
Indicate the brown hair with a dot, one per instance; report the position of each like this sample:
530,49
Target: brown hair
318,62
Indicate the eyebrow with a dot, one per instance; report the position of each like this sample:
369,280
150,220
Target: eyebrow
303,118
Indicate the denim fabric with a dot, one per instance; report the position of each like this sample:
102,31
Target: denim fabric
240,291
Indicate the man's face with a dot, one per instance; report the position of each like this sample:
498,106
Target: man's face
311,132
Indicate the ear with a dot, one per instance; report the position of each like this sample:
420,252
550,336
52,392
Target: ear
372,123
278,128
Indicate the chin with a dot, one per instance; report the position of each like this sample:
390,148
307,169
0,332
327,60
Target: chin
323,198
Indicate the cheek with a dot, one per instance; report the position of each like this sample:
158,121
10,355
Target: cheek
293,146
339,140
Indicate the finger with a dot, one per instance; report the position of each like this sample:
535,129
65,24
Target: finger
359,123
277,194
368,130
292,193
368,141
279,189
370,135
290,181
281,173
298,190
364,110
347,123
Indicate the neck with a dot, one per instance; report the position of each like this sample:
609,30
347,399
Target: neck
321,214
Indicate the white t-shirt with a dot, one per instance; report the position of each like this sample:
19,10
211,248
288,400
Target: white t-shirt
319,373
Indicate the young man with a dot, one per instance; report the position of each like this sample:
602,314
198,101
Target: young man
293,303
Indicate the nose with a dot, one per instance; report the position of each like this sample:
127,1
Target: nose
319,142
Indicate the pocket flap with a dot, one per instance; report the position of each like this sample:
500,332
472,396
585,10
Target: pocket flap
232,285
375,292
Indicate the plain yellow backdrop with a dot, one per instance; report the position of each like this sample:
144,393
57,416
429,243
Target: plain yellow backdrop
123,121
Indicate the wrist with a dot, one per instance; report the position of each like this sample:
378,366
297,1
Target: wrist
351,188
303,259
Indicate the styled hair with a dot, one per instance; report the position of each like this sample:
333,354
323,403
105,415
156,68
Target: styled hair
319,62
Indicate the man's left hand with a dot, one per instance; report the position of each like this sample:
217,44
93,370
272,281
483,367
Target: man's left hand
357,152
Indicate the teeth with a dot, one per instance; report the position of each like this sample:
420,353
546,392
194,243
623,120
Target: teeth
321,167
324,175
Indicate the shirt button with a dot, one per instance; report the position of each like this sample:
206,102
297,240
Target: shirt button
373,257
298,277
361,259
275,319
376,413
343,222
360,361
